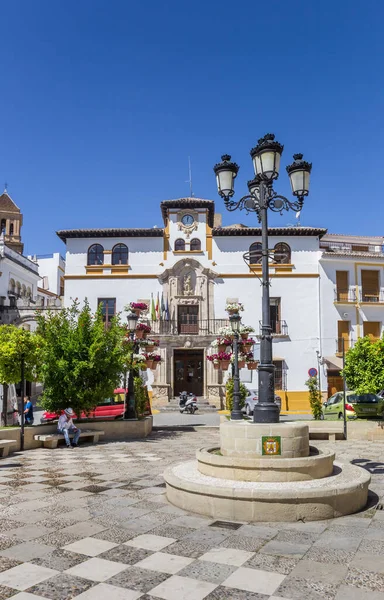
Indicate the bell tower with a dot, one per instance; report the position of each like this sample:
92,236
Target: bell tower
11,221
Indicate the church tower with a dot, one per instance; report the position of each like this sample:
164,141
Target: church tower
11,221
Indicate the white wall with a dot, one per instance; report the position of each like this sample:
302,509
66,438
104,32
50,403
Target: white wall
52,267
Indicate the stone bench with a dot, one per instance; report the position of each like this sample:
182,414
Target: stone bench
5,447
331,429
50,440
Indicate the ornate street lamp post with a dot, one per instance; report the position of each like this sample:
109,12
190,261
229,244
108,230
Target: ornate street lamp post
236,414
266,162
130,402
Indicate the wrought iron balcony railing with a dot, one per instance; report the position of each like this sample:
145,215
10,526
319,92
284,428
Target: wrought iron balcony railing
188,326
371,296
345,295
278,328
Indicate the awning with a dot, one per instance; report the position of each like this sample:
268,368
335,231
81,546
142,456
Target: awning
334,363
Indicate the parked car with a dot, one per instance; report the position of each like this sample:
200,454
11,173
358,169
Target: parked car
252,398
111,408
356,406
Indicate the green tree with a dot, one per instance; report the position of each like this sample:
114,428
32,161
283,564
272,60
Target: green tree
315,399
17,345
364,366
82,360
229,394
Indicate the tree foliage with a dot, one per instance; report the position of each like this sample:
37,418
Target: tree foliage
17,344
82,359
315,399
229,394
364,366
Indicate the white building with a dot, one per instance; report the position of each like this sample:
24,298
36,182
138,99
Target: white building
197,265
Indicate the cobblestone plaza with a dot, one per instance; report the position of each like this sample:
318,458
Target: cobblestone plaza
94,522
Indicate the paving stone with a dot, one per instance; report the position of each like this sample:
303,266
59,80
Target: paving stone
322,572
241,542
372,547
352,593
60,560
367,563
336,542
295,536
61,587
367,580
172,531
164,563
297,588
125,554
269,562
207,571
29,532
224,593
285,548
22,576
7,592
254,580
116,535
329,555
142,580
27,551
97,569
187,548
104,590
90,546
183,588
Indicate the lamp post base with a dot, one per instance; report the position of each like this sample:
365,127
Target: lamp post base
266,412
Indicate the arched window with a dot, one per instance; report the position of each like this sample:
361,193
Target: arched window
23,290
3,225
18,288
255,253
120,254
282,254
12,286
11,229
179,245
195,244
29,292
96,255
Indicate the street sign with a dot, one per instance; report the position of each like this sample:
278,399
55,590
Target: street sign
312,372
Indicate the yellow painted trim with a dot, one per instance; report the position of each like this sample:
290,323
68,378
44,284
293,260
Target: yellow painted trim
188,251
371,303
247,275
119,270
208,240
112,276
61,269
117,267
93,269
107,251
166,240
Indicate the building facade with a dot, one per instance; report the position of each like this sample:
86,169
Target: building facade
194,266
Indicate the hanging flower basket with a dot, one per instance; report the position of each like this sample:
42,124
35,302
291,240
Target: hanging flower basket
244,336
216,365
222,348
149,364
248,345
224,364
241,364
140,334
233,308
252,366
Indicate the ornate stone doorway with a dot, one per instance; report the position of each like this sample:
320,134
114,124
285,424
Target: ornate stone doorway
188,371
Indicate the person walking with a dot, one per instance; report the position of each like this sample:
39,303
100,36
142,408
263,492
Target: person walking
28,411
66,426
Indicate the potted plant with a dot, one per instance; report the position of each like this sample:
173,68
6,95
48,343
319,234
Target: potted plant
221,344
240,362
226,332
225,359
213,358
138,361
248,345
142,331
234,308
137,307
252,365
156,360
245,330
150,345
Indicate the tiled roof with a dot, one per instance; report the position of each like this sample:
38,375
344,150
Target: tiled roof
189,203
352,254
273,231
64,234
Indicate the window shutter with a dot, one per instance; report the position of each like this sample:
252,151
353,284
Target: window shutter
370,282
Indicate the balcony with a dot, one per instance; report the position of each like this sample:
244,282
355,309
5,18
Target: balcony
346,248
348,343
345,296
371,297
188,326
279,328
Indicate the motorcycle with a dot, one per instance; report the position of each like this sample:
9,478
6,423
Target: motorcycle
188,402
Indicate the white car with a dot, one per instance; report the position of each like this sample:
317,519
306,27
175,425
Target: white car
251,400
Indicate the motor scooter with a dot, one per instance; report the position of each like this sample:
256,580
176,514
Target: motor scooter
188,403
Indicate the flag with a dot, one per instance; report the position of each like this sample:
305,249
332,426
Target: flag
162,313
158,306
167,310
153,311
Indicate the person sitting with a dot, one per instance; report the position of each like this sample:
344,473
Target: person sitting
66,426
28,411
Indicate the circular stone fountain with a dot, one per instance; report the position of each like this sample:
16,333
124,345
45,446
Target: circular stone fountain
267,472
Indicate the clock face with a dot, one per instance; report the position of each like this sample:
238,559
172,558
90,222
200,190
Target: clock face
187,220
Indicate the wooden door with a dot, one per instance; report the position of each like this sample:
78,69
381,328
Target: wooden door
188,319
189,372
370,285
342,286
343,328
372,329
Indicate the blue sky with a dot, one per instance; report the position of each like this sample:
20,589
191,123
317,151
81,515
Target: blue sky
103,101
